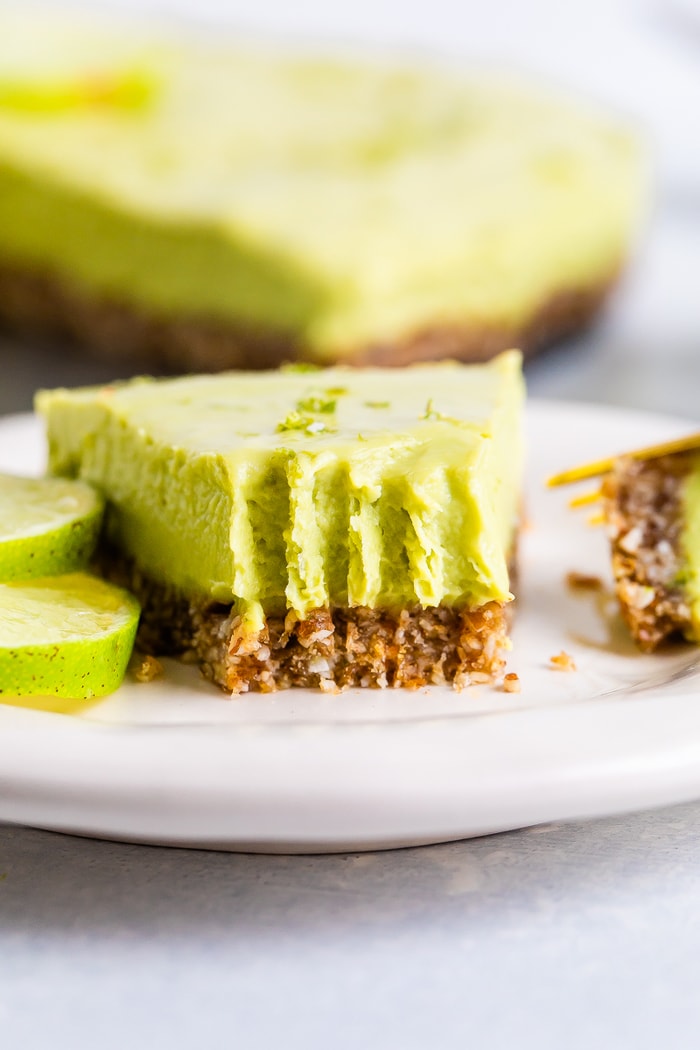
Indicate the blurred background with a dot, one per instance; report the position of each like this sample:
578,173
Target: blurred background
638,59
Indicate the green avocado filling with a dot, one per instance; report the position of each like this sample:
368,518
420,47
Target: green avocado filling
690,541
206,493
337,202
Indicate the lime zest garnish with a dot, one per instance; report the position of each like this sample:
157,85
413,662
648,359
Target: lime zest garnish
317,405
305,415
294,421
299,366
306,423
432,413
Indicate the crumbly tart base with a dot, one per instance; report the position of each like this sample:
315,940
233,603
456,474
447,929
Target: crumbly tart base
35,303
330,649
642,505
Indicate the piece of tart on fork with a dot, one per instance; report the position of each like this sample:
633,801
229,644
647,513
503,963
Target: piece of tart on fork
650,504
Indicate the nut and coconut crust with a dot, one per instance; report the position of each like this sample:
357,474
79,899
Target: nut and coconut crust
35,302
329,648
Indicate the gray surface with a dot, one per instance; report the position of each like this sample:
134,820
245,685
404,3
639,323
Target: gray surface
573,936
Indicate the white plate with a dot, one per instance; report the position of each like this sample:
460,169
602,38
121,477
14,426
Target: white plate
174,761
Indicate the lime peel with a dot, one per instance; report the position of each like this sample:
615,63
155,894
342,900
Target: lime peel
48,526
68,636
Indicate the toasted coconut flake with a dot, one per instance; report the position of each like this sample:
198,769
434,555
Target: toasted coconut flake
563,661
147,668
632,540
580,581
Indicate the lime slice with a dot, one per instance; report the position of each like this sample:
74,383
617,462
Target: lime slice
47,526
68,636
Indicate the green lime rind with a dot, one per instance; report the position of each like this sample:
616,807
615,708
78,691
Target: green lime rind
48,526
68,636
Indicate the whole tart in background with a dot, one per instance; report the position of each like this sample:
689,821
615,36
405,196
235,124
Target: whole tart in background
192,203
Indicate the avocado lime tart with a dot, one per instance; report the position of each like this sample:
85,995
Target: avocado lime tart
204,205
322,528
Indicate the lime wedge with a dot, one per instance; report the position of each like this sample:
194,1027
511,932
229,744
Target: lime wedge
47,526
67,636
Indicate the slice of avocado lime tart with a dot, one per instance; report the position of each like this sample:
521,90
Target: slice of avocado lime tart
327,528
